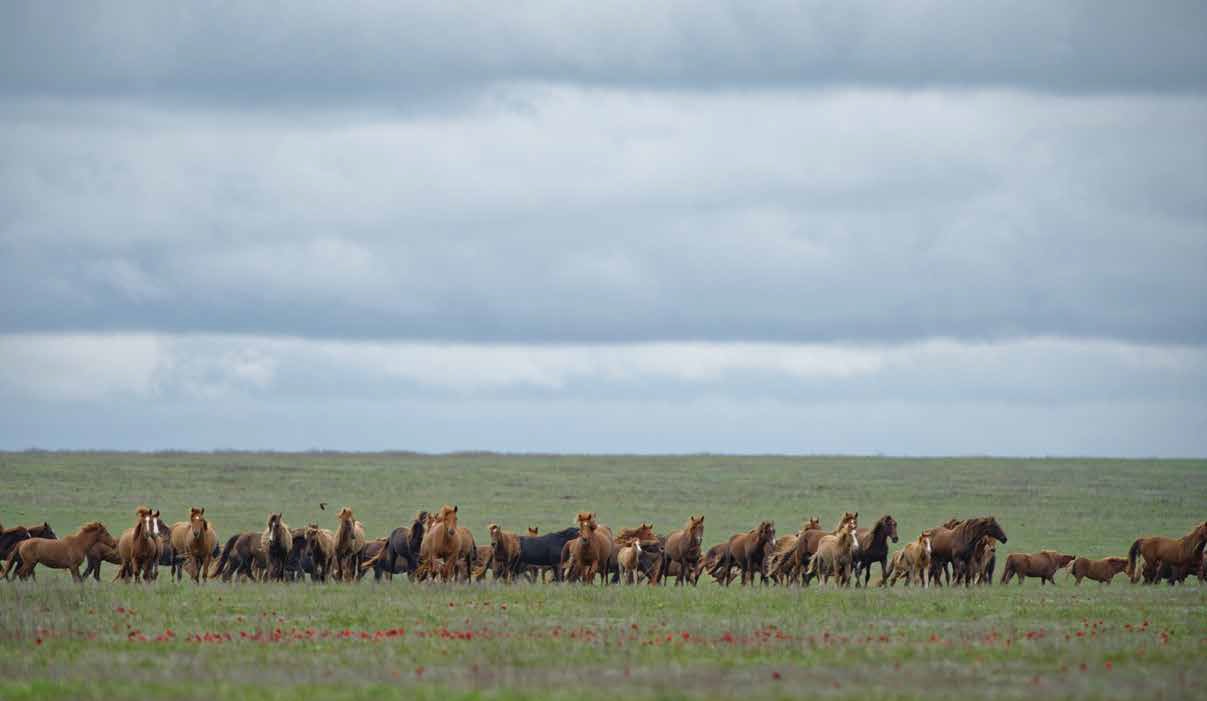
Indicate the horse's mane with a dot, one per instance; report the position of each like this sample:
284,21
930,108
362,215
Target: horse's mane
88,527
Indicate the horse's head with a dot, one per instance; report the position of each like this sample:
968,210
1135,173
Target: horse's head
813,524
1063,560
48,532
992,528
1115,565
848,518
533,531
924,539
766,532
1199,534
496,533
148,524
418,528
312,535
695,528
854,537
586,517
274,529
586,530
446,518
102,533
890,526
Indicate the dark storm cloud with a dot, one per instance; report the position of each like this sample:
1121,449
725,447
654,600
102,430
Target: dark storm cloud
314,52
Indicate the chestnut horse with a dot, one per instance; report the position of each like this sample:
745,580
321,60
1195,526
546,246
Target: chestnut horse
747,550
1174,552
139,547
445,542
349,544
683,547
1102,571
1043,564
784,564
194,541
63,553
277,543
504,552
873,547
592,551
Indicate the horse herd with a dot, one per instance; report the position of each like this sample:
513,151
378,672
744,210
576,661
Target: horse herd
435,547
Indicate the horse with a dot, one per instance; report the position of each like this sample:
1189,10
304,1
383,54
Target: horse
244,557
650,560
957,545
401,554
1043,564
299,563
834,556
982,563
61,553
1102,571
276,542
716,562
592,551
629,559
139,547
747,550
911,561
782,564
100,553
504,551
194,540
443,540
1175,552
544,552
349,543
320,543
683,547
873,547
372,550
9,537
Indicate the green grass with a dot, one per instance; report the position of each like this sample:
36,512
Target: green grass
493,641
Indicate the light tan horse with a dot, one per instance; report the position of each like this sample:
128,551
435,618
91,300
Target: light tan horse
784,564
834,556
194,540
629,561
1159,550
349,544
683,547
140,547
911,562
61,554
321,544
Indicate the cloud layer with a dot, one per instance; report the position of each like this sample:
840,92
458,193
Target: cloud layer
914,228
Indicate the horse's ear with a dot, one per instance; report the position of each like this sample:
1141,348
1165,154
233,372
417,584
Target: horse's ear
455,507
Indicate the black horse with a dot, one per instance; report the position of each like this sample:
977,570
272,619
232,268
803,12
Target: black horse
546,550
401,553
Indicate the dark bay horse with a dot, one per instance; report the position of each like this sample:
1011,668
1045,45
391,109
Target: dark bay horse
873,547
957,545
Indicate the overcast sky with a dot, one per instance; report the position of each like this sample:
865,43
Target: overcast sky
904,228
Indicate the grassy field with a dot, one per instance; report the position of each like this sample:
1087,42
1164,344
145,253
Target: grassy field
399,640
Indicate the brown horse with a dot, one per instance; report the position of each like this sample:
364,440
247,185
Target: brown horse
277,543
349,544
194,541
63,553
980,567
139,547
784,563
1043,564
504,551
808,541
747,550
683,547
1174,552
320,543
873,547
591,552
9,537
1102,571
834,556
97,554
444,541
373,551
243,557
956,546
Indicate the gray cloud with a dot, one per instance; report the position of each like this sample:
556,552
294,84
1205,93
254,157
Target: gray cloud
553,214
399,53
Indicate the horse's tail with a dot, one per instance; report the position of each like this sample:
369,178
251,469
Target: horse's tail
368,564
1131,559
225,557
1009,569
